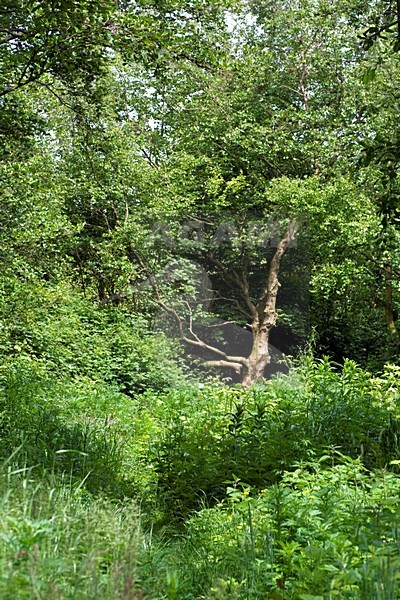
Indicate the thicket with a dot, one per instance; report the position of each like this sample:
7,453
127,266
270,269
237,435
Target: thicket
287,490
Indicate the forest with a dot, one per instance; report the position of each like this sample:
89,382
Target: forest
200,299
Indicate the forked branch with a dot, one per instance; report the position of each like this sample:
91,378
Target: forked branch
232,361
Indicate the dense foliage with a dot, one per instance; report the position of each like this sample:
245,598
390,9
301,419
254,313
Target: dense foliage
199,298
290,490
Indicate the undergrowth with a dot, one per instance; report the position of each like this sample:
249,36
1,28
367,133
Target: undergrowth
289,490
57,541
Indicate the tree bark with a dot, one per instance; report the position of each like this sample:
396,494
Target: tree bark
259,358
266,316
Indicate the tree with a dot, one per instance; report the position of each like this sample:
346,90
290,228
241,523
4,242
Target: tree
379,162
68,40
248,135
385,25
258,139
187,309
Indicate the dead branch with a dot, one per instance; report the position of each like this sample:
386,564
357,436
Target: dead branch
223,363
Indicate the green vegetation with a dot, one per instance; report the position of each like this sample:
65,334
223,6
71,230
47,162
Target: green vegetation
287,490
199,300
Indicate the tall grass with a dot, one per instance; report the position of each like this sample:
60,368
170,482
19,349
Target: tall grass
57,541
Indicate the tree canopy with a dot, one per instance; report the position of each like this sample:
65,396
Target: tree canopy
253,145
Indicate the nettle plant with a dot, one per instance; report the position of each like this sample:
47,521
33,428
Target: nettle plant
203,436
329,528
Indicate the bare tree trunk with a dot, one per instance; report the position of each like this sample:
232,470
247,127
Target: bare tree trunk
259,358
266,316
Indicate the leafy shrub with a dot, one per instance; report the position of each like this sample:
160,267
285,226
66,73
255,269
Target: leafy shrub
349,409
204,436
72,337
210,436
324,531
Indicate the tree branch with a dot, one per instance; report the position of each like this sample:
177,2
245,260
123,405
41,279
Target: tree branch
234,301
372,33
231,276
216,325
224,363
196,342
